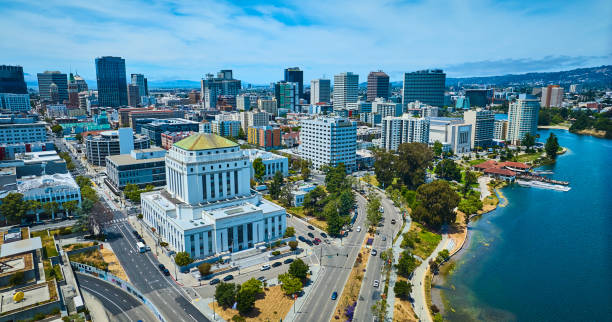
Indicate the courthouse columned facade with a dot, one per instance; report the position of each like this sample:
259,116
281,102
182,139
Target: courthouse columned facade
208,207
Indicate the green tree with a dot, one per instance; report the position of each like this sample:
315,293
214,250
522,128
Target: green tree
225,294
79,137
245,301
253,286
373,214
469,179
528,141
57,129
241,134
334,223
51,208
305,169
470,205
402,289
290,284
412,162
437,148
259,169
70,206
379,309
275,185
346,202
552,146
34,206
313,200
384,162
204,269
437,201
299,269
406,264
286,195
335,178
293,245
449,170
289,232
13,207
182,259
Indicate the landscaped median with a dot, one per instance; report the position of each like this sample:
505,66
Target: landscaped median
92,254
348,300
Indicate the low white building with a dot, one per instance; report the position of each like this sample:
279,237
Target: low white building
208,208
271,161
453,133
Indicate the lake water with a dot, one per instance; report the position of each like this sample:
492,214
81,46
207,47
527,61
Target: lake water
547,256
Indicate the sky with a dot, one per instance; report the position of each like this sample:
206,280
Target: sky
184,40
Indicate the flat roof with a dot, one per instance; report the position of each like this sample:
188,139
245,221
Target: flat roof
20,246
126,159
204,141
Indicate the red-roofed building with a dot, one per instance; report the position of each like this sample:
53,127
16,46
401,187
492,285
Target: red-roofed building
291,139
499,173
502,170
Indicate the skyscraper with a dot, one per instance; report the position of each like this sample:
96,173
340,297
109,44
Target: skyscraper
552,96
378,85
329,141
133,93
11,80
425,86
295,75
345,89
46,79
320,91
286,95
223,84
403,129
141,81
478,97
110,75
483,125
523,118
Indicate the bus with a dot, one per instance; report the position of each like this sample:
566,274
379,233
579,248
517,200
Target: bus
141,247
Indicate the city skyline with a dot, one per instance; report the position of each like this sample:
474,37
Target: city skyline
173,41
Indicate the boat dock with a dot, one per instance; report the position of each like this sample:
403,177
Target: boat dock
533,177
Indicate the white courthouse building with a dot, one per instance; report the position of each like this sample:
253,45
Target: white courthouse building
208,207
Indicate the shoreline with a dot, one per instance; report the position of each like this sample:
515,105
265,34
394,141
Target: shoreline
589,132
553,127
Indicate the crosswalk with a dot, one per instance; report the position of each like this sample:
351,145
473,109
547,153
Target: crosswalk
116,221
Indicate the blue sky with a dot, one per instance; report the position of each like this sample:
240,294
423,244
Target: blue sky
170,40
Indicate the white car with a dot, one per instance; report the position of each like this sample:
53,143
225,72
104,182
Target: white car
358,228
264,267
376,283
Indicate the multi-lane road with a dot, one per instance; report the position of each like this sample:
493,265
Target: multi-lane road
118,303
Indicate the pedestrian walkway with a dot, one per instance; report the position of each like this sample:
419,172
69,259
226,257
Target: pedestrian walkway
95,307
308,291
203,304
397,250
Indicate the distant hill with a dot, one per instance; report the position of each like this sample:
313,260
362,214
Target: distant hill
593,77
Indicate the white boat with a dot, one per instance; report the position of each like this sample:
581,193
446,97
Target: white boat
544,172
543,185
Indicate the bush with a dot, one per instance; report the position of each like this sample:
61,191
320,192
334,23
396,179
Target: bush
182,259
299,269
238,318
293,245
55,311
275,253
289,232
39,316
402,289
163,244
225,294
204,269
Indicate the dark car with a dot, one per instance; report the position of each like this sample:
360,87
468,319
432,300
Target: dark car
228,278
214,281
311,235
316,242
334,296
310,227
277,264
308,242
393,221
302,239
324,235
135,233
288,261
166,272
161,267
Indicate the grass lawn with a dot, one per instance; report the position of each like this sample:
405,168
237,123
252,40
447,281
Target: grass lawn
475,162
92,258
528,157
424,241
47,242
272,306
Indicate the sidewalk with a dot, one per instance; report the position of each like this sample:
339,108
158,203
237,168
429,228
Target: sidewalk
307,292
202,304
393,277
95,307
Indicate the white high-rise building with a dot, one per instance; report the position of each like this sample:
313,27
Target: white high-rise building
552,96
483,124
208,207
380,106
523,118
345,89
320,91
329,141
500,130
403,129
243,102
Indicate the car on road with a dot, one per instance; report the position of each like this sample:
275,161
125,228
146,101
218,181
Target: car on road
381,209
288,261
166,272
264,267
302,239
384,238
261,278
334,296
310,227
214,281
308,242
358,228
374,252
393,221
317,240
228,278
161,267
376,283
311,235
276,264
324,235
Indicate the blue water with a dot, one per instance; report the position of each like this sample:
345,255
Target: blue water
547,255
